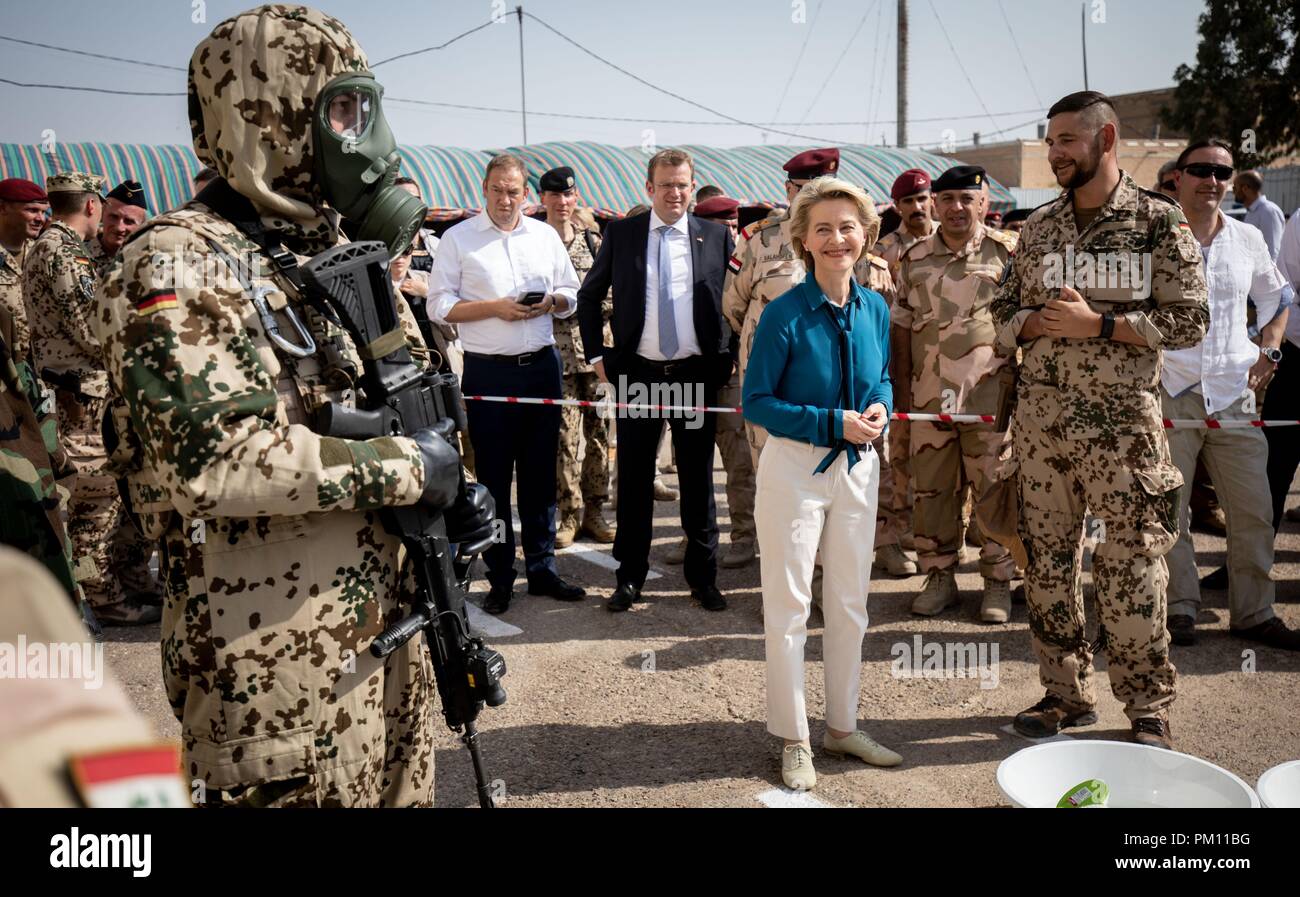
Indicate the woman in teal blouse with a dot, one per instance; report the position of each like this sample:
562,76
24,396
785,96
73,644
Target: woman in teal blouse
818,382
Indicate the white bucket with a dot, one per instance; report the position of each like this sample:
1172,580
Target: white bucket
1280,786
1138,776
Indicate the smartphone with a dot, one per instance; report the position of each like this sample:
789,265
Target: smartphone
532,297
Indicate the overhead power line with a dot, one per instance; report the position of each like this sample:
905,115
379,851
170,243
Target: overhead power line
957,59
441,46
798,59
152,65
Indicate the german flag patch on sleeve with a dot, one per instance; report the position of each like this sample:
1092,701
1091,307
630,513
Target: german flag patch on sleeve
156,300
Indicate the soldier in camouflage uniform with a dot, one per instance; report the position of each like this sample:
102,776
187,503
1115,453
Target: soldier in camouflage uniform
23,205
948,365
1088,435
59,289
279,571
129,551
583,486
762,268
913,202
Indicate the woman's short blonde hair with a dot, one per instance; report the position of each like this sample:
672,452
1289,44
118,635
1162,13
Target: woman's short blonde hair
819,190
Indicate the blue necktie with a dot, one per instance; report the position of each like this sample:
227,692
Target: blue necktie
667,317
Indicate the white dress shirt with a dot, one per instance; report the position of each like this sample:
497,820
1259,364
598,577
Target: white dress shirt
1264,214
1237,266
477,261
682,286
1288,262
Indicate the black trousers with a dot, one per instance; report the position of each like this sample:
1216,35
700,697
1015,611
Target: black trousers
1282,402
524,438
638,442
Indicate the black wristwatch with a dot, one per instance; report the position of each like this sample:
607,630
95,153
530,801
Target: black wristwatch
1107,325
1273,355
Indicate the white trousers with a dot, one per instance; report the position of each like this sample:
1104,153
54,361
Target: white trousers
797,512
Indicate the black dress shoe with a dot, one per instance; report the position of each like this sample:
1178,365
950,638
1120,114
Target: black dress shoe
622,598
1182,629
1272,632
558,589
498,601
1217,580
710,598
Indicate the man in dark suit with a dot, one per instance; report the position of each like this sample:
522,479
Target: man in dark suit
667,269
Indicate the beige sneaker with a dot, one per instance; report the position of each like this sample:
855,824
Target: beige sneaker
739,553
996,605
860,745
567,531
939,592
890,559
677,554
664,492
797,768
595,525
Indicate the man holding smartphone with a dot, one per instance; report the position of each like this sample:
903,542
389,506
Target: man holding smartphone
499,277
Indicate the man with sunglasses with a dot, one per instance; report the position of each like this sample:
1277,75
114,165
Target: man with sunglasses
1217,379
1089,442
1165,181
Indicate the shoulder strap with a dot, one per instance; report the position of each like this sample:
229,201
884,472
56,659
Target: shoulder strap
591,241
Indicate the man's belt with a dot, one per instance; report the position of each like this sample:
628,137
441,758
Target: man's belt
519,360
668,368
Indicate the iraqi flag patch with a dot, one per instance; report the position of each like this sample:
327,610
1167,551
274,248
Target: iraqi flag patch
733,265
146,776
157,300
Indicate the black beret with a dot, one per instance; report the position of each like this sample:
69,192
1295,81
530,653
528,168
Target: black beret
557,180
1017,215
129,192
960,177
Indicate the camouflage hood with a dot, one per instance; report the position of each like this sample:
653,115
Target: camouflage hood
253,84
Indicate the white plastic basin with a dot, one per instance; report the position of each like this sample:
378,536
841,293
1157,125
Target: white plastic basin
1280,786
1138,776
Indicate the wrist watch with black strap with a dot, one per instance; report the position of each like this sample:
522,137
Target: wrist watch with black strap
1107,325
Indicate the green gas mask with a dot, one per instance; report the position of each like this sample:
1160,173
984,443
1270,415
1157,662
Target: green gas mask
356,162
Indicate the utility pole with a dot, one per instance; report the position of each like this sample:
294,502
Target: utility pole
1083,34
902,75
523,97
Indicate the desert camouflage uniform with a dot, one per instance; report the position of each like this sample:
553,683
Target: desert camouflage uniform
11,297
34,467
585,483
1089,440
59,288
129,552
279,572
891,248
944,304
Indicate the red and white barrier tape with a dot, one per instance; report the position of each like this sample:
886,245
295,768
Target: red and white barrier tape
1206,424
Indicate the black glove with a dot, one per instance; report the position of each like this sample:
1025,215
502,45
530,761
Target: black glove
441,464
471,520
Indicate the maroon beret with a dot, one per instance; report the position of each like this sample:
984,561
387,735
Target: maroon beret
993,219
718,207
910,182
20,190
813,164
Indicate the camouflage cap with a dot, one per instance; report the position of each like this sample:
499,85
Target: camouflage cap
75,182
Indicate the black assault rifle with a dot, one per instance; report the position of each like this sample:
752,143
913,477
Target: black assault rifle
400,399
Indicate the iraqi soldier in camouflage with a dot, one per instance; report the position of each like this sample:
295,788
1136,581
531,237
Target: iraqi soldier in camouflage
280,572
129,552
23,206
59,290
913,203
583,485
1088,435
763,267
948,363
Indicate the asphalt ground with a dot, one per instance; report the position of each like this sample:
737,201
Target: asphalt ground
664,705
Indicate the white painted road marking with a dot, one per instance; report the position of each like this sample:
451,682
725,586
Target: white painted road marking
1010,729
601,557
485,623
785,799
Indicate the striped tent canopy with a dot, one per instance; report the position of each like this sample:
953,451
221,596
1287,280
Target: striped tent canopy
167,172
611,179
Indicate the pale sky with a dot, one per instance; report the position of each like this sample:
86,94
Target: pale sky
735,56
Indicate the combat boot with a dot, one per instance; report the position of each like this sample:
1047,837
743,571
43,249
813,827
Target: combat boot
739,553
1153,731
940,591
1049,716
890,559
996,604
129,612
567,531
595,525
677,554
664,492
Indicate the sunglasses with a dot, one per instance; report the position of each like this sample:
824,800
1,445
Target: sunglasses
1168,185
1205,170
